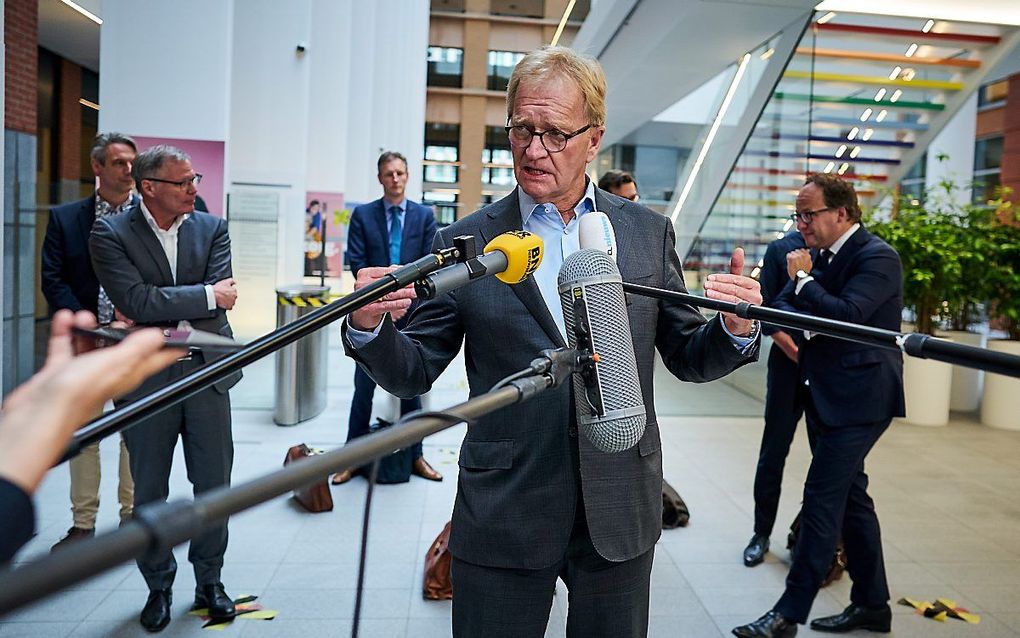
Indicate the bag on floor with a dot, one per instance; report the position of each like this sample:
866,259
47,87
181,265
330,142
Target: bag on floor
674,510
437,584
394,467
838,565
315,497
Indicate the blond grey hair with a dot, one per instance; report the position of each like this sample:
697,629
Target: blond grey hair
583,70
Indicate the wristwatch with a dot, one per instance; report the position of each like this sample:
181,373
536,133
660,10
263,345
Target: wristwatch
801,275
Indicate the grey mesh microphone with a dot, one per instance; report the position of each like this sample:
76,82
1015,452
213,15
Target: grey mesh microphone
610,408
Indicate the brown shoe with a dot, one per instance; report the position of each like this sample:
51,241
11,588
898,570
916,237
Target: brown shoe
421,468
74,534
341,477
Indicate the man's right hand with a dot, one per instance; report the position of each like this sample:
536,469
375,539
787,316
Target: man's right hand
395,303
786,344
225,291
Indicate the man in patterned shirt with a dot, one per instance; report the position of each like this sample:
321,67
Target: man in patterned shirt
68,281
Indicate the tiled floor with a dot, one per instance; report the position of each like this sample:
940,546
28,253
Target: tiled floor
947,497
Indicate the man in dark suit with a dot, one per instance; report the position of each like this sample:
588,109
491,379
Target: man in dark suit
162,264
390,230
69,281
535,501
783,402
854,391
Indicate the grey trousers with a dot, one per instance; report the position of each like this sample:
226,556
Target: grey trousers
202,422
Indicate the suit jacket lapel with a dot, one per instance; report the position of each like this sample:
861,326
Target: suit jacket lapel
187,254
152,245
380,221
87,219
621,228
506,216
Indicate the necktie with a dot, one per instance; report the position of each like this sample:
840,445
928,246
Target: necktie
395,232
824,257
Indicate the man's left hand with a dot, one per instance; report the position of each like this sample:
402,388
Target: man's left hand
734,288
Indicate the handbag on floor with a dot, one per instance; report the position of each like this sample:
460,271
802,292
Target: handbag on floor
437,584
674,510
315,497
838,565
394,467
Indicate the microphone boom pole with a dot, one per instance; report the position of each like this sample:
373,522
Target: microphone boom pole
914,344
219,369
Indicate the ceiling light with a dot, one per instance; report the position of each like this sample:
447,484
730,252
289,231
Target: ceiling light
927,26
866,114
911,50
768,54
881,115
88,103
909,74
563,23
779,235
829,167
880,95
844,168
896,95
895,72
841,150
825,18
853,133
787,226
755,271
80,9
854,153
867,134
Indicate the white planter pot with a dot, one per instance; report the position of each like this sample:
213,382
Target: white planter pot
965,395
926,385
1000,404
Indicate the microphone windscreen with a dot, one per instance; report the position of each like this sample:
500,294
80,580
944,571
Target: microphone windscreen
596,231
591,295
523,252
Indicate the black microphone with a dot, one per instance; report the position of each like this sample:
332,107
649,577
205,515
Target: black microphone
512,257
607,393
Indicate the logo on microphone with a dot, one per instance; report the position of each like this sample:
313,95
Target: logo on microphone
534,259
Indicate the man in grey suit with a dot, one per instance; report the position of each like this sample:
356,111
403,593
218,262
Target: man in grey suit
536,502
162,263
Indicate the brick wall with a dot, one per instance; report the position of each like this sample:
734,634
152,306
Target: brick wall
69,121
1010,175
21,20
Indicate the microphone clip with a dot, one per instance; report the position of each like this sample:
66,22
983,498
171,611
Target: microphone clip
466,246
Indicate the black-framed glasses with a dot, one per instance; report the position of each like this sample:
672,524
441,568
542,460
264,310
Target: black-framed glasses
552,140
808,215
182,184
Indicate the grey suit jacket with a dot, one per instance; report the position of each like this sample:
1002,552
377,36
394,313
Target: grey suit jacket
516,495
135,273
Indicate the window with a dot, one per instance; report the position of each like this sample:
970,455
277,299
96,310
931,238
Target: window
912,184
987,168
448,5
445,205
442,152
520,8
993,94
501,65
497,160
445,66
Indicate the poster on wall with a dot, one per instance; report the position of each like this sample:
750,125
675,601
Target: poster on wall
207,158
326,219
254,214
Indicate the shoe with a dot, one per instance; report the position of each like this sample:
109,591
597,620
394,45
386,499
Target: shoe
771,625
421,468
341,477
73,535
215,599
754,553
856,617
124,520
156,613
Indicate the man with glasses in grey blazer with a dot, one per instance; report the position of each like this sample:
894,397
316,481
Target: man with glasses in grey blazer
536,502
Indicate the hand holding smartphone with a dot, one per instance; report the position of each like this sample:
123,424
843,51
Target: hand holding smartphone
192,340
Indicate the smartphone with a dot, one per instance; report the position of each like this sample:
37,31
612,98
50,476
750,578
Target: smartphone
84,339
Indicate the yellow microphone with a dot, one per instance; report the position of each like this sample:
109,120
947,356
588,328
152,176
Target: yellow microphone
512,257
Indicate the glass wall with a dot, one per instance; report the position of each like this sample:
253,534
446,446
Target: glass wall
445,66
501,65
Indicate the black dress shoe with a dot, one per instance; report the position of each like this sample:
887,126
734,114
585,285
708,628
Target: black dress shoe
215,599
754,553
771,625
156,613
856,617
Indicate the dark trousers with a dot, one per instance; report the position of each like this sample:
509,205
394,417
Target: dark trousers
361,408
836,500
784,405
202,422
605,598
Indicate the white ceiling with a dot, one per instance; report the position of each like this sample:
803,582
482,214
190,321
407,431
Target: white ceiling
70,34
655,52
982,11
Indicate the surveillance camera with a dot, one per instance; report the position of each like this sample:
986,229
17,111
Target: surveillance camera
300,48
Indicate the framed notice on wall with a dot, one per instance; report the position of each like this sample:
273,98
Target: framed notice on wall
254,218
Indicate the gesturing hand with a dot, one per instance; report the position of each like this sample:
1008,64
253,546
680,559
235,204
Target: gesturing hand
395,303
735,288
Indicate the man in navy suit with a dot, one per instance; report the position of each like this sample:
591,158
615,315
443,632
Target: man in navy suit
783,402
390,230
853,392
69,281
